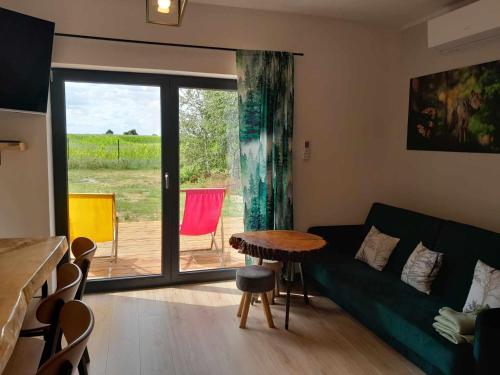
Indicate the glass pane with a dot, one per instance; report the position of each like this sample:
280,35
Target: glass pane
114,147
209,167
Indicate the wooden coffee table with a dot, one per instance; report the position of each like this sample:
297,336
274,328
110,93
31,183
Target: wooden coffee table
287,246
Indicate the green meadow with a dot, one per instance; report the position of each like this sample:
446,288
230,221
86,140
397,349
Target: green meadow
108,151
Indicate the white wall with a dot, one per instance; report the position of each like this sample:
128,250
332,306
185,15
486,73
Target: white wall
338,105
460,186
24,194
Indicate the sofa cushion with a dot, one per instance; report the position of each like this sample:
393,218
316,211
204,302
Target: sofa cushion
422,268
376,249
397,312
411,227
463,245
485,289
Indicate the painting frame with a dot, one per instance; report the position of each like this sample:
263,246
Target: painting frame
456,110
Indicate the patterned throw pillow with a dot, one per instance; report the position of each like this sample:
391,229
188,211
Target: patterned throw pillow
421,268
376,249
485,289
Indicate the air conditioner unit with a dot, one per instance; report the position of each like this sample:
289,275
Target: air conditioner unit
464,26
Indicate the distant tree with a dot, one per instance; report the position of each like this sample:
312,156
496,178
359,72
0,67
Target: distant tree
110,131
131,132
209,138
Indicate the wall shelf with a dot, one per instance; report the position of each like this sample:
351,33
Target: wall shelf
11,145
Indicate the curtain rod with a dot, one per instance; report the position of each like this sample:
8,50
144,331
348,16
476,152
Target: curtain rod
64,35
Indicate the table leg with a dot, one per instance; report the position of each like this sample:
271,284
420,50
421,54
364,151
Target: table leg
288,289
304,285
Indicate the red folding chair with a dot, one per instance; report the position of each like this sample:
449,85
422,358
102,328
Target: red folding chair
202,211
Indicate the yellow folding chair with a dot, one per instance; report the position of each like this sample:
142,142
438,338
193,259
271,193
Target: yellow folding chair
94,216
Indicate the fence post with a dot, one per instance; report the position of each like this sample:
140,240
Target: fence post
118,148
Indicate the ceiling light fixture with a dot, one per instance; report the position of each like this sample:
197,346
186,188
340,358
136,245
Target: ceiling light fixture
164,6
165,12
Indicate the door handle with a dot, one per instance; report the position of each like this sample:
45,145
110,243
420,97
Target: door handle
166,181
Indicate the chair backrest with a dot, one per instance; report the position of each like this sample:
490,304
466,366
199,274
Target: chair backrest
77,322
202,211
83,249
68,280
92,216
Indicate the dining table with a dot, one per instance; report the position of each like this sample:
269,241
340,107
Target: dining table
25,265
288,246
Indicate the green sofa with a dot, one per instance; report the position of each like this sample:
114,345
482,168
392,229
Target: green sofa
398,313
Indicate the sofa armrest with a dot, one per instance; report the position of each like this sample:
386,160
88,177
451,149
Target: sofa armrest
344,238
486,342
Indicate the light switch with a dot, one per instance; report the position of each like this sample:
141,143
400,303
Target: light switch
307,150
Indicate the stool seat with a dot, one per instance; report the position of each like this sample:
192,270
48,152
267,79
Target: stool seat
255,279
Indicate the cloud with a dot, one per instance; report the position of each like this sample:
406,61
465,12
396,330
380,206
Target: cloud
93,108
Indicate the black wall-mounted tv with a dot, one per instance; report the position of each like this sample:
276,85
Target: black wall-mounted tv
25,58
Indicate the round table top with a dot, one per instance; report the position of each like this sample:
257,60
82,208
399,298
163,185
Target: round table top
284,245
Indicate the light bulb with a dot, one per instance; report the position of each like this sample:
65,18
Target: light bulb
164,6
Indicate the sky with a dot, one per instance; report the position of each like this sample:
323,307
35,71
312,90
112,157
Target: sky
93,108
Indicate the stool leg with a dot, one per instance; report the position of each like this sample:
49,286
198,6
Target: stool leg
267,310
246,306
242,302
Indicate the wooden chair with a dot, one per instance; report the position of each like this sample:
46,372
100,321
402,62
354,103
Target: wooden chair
77,322
42,318
83,250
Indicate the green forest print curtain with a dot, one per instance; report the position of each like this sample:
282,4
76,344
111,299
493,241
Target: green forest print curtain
265,103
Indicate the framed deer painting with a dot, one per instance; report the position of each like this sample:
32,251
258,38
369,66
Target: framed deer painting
457,110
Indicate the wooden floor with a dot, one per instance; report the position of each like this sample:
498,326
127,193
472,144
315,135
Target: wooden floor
139,245
193,329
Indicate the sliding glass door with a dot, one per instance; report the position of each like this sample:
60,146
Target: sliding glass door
210,203
147,165
114,175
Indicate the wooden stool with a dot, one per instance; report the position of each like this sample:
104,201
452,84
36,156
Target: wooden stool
254,280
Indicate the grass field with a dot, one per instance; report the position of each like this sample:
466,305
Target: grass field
103,151
128,166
